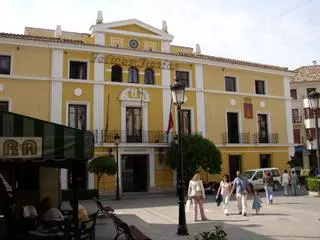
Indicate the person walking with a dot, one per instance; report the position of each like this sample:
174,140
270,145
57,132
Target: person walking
197,194
224,190
285,180
268,186
241,185
294,182
256,204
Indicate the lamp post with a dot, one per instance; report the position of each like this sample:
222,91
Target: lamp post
178,91
314,102
116,142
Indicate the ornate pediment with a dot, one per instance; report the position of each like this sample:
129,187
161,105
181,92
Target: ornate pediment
133,27
134,94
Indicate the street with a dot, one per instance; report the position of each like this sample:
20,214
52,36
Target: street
292,217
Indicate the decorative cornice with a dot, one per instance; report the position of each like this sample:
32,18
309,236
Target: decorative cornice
55,44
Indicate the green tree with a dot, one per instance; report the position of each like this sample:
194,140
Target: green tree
102,165
198,153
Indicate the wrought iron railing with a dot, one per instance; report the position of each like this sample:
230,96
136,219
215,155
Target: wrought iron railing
104,136
234,138
296,119
266,138
248,138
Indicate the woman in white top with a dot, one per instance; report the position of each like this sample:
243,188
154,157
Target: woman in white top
285,182
224,190
197,194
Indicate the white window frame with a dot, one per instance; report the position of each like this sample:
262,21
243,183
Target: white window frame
79,60
184,70
237,82
191,117
11,62
239,121
265,87
78,103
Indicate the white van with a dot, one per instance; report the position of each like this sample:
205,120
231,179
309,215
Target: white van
255,176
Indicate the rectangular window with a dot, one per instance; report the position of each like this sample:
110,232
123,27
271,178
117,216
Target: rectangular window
186,121
5,64
4,106
77,116
295,116
263,128
265,160
230,84
260,87
183,76
309,90
78,70
311,133
134,124
293,93
296,136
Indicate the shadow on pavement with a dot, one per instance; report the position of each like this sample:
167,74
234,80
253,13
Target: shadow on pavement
105,229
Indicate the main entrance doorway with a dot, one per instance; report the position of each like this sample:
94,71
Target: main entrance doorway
234,165
134,173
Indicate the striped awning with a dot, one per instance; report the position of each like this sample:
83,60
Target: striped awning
24,139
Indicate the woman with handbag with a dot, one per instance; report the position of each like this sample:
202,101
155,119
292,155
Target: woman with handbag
197,194
224,191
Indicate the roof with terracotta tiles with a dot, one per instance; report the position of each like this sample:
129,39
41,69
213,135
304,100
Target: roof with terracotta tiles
307,74
193,55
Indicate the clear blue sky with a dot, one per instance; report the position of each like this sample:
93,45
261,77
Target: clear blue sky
285,32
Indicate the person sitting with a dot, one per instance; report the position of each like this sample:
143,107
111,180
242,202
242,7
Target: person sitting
49,213
82,212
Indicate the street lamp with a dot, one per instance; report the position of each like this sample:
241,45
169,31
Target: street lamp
178,91
116,142
314,102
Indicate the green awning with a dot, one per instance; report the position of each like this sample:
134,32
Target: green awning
24,139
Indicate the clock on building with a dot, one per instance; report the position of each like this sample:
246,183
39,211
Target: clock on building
133,43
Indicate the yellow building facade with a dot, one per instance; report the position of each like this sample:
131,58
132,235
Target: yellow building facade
116,80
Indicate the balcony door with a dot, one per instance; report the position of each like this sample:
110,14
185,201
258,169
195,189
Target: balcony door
233,127
133,124
263,128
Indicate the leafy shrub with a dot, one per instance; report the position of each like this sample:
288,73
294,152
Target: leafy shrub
217,234
313,184
305,172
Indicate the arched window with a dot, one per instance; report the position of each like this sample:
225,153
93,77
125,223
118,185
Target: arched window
148,76
133,75
116,73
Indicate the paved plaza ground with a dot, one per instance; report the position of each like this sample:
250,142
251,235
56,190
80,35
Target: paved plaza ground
292,217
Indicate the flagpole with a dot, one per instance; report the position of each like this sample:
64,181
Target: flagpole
107,119
141,113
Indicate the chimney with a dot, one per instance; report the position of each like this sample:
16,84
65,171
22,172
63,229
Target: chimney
164,26
314,62
58,32
198,50
99,17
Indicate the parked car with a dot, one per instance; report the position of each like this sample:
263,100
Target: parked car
255,176
211,187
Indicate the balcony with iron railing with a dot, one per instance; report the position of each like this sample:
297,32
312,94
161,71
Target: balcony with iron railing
297,119
150,137
107,136
250,138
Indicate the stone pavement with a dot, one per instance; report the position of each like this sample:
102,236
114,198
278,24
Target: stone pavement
293,217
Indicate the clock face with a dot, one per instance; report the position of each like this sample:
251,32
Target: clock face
133,43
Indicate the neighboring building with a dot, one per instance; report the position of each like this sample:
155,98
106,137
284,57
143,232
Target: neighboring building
115,80
307,79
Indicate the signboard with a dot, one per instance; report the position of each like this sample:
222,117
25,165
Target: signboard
248,108
20,147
